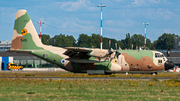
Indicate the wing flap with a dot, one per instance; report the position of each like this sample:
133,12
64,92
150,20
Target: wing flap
74,51
79,49
86,60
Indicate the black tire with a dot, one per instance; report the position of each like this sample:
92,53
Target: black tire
154,73
108,73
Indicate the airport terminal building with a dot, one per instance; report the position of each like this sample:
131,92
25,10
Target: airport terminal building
26,60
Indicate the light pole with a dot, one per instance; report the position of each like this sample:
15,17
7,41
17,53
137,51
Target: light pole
40,28
97,30
101,21
145,34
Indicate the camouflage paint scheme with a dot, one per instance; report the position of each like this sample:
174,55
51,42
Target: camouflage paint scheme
76,59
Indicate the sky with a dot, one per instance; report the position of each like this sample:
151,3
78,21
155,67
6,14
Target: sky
74,17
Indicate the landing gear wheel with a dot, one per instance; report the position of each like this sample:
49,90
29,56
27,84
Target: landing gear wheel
108,73
155,73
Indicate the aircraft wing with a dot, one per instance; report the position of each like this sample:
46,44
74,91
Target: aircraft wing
86,60
81,55
79,49
75,51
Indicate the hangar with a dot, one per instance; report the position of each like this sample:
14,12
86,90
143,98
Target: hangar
28,61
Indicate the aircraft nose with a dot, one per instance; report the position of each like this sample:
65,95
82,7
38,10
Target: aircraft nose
168,65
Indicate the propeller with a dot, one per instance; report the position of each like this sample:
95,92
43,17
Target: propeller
109,51
108,54
117,53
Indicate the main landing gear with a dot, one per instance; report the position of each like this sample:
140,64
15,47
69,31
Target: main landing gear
155,73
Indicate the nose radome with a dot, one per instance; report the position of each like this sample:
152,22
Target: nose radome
168,65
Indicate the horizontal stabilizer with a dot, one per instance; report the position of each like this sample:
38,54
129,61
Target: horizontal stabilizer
19,51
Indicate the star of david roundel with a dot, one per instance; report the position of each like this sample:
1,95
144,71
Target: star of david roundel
23,31
63,61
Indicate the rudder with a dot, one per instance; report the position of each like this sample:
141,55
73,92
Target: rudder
25,36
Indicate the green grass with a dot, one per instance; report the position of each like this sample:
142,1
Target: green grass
69,74
54,90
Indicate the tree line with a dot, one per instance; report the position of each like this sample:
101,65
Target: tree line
136,41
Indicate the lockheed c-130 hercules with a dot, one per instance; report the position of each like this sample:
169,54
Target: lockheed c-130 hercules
85,60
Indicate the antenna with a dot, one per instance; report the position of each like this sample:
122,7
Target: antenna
145,35
40,29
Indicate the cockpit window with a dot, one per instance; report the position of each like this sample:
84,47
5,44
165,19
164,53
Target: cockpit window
159,61
158,55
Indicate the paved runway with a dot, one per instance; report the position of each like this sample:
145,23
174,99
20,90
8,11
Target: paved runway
94,78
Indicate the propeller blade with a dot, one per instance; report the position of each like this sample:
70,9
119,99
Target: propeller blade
116,50
109,51
117,53
109,45
116,46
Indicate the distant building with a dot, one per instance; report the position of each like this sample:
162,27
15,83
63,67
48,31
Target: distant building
176,43
5,45
26,60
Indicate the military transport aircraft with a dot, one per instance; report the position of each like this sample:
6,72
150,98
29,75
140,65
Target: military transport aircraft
85,60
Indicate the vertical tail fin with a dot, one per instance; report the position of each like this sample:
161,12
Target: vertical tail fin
25,36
